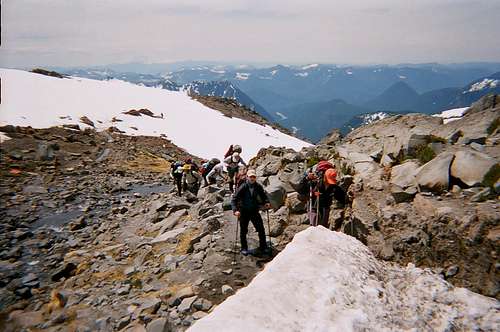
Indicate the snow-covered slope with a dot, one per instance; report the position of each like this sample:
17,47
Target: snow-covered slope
328,281
40,101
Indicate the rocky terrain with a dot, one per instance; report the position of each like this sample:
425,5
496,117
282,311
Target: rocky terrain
93,237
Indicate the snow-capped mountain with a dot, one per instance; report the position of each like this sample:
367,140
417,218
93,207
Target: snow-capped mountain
329,281
362,120
224,89
40,101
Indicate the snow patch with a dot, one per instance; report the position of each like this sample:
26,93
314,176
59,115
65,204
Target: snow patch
487,83
40,101
217,71
314,65
402,77
329,281
452,114
242,76
273,72
281,115
302,74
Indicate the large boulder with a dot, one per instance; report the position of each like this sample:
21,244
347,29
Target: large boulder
276,192
294,204
404,175
471,166
435,175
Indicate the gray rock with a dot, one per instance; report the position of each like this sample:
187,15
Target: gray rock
481,196
404,175
401,195
278,221
123,290
294,204
478,147
227,290
202,304
150,305
386,160
158,325
186,304
451,271
180,295
199,315
435,175
471,166
170,235
123,322
171,221
44,152
129,271
276,193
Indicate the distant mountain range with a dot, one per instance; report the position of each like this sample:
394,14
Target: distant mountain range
315,98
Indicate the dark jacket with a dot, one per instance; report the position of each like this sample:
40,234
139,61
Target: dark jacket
327,193
249,198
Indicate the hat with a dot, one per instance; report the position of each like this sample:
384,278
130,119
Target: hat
186,167
251,172
331,176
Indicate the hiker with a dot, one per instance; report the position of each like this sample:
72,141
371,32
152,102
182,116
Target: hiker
233,166
206,168
176,173
190,179
319,187
217,172
246,202
194,167
240,177
232,149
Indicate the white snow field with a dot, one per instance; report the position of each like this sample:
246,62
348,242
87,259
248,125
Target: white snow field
40,101
452,114
329,281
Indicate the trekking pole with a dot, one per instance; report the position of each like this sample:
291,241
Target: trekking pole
317,210
269,232
235,240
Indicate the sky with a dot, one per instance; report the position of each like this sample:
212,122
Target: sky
99,32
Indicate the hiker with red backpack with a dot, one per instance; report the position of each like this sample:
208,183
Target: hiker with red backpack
233,165
319,187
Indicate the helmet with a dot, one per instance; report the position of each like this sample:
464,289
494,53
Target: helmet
331,176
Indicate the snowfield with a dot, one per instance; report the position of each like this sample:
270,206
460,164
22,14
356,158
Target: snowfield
40,101
329,281
452,114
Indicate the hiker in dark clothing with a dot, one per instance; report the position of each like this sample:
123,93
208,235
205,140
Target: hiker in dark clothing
320,188
247,200
206,168
176,173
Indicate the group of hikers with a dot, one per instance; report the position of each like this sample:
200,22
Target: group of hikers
318,188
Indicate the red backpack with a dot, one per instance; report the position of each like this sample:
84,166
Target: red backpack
322,166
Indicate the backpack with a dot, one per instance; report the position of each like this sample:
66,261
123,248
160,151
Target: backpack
229,152
322,166
240,178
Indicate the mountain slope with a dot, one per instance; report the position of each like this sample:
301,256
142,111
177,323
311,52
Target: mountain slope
315,120
40,101
226,89
329,281
398,97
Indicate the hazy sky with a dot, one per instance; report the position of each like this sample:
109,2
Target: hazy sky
93,32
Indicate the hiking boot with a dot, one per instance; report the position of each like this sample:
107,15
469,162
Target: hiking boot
245,252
